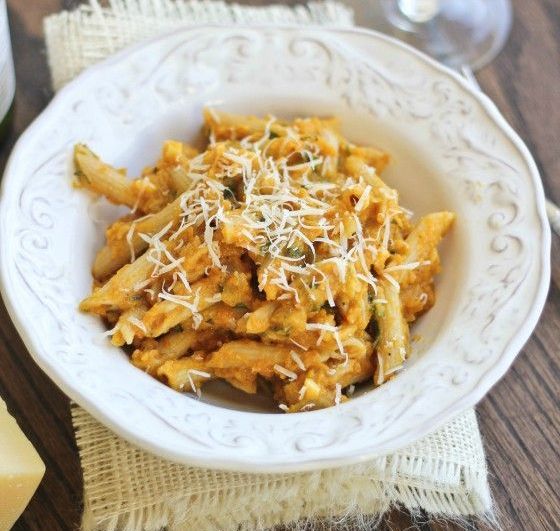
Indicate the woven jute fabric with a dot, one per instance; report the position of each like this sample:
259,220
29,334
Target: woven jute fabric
127,489
77,39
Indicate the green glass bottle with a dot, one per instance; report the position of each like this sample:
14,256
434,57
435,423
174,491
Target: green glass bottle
7,74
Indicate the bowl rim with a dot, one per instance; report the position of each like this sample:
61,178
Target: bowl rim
242,463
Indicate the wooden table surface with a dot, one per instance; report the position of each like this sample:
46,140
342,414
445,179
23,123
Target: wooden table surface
519,419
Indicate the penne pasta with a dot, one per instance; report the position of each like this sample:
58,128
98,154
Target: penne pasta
121,291
250,355
93,174
278,254
171,346
174,309
421,245
393,341
119,251
185,374
129,326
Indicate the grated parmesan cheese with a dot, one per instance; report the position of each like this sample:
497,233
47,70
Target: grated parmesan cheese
363,198
137,322
338,393
407,267
298,344
392,281
285,372
275,199
297,360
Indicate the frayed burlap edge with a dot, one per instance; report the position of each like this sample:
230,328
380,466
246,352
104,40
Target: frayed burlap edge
80,38
130,490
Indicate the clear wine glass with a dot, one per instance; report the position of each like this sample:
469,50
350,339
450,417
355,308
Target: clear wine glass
456,32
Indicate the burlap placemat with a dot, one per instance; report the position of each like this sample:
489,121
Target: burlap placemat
128,489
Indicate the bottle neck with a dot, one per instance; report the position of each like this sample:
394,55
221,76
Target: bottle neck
7,74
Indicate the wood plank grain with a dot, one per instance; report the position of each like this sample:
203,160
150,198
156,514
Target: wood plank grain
521,424
522,80
397,519
40,408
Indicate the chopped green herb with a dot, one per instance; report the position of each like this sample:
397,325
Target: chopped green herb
80,175
177,328
273,135
376,308
241,306
281,331
373,329
228,194
294,252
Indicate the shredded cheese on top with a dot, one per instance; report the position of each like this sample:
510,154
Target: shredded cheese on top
316,233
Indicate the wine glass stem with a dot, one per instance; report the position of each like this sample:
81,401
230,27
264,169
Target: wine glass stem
419,11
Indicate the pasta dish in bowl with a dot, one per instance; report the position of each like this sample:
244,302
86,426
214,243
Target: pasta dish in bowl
271,265
277,254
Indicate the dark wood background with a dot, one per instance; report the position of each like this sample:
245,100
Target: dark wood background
520,418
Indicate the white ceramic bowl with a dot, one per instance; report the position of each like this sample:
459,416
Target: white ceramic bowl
452,150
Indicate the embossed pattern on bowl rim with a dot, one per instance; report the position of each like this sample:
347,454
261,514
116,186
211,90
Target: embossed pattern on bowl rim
501,307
